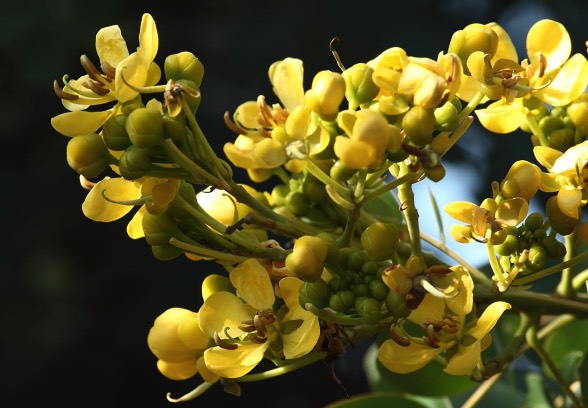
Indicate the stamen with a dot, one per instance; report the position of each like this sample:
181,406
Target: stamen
542,65
257,321
109,70
62,94
335,53
512,81
86,184
231,125
398,337
223,344
248,329
96,87
265,119
91,69
256,339
432,339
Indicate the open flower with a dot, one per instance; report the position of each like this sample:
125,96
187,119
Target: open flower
247,324
447,331
120,69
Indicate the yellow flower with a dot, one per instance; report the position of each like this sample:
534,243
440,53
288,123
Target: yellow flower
553,77
446,331
179,343
245,325
487,221
96,88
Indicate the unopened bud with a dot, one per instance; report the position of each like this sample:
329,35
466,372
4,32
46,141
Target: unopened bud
87,155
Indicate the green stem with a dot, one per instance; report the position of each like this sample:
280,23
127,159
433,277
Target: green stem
316,171
289,229
554,269
469,108
410,212
352,218
207,252
304,361
541,302
337,318
536,345
494,264
201,389
579,281
565,288
199,175
407,178
244,197
536,129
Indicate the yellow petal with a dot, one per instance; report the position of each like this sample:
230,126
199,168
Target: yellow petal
97,208
506,49
462,303
148,38
111,46
461,233
512,211
355,154
431,308
79,123
464,360
488,320
569,200
134,70
546,156
461,210
574,157
500,117
253,284
551,39
220,310
135,225
204,372
286,77
567,84
234,363
402,360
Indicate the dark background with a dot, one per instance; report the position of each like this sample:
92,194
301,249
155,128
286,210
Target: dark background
77,298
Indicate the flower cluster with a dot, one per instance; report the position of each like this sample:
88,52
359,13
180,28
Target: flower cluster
329,256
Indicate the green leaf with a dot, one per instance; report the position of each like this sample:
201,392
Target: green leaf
583,371
377,400
567,347
429,381
536,391
385,208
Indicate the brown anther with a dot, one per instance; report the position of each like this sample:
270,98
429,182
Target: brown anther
510,82
86,184
265,113
247,329
231,125
96,87
247,322
172,90
223,344
279,114
258,322
91,69
438,270
450,329
62,94
398,337
542,65
455,68
264,132
108,70
256,339
432,339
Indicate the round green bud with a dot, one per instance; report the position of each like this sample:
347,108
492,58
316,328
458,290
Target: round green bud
360,289
508,247
396,304
340,172
365,306
360,87
370,268
342,301
318,293
297,203
174,128
115,133
554,248
418,124
549,124
356,260
436,173
157,228
378,289
455,101
338,283
166,252
88,155
380,240
368,278
578,113
537,257
278,195
561,139
446,117
184,65
145,127
534,221
134,163
314,189
397,156
559,221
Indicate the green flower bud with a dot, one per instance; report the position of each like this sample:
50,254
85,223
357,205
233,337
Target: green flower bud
338,283
508,247
314,189
326,94
578,113
419,124
534,221
474,37
455,101
396,304
115,133
158,228
166,252
378,290
88,155
554,248
307,258
380,240
145,127
370,268
356,260
340,172
365,306
537,257
361,289
317,293
174,128
297,203
559,221
278,195
134,163
184,65
342,301
360,87
561,139
446,117
436,173
550,123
